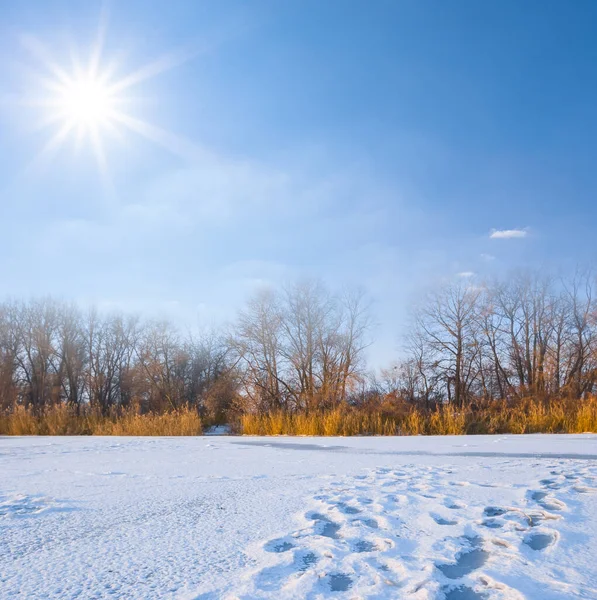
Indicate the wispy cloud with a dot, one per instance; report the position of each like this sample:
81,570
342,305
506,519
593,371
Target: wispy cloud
466,274
487,257
507,234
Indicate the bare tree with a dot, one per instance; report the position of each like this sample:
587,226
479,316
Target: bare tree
580,364
257,344
111,349
446,327
9,352
72,356
301,349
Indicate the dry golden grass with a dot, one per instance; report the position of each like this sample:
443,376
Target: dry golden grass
61,420
527,416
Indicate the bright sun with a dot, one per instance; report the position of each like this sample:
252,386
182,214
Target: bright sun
87,102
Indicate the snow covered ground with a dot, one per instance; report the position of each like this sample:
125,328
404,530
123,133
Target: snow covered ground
461,518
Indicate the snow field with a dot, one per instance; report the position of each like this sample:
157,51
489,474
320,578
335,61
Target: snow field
417,532
457,518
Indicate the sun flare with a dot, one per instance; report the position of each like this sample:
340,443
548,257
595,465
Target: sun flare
87,102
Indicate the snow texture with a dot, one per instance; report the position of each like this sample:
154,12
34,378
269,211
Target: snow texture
456,518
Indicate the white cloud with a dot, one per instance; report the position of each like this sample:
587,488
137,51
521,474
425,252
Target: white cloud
466,274
506,234
487,257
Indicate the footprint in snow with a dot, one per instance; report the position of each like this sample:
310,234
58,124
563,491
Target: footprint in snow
462,593
306,561
547,501
365,546
466,562
278,546
540,541
365,500
492,524
453,504
494,511
372,523
552,484
443,521
347,509
325,526
340,582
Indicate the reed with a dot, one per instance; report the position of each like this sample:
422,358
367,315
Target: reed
526,416
63,420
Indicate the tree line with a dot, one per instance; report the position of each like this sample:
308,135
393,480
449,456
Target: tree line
302,349
526,336
299,349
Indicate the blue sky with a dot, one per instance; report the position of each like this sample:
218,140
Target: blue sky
372,143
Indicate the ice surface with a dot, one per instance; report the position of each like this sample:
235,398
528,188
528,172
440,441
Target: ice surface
488,517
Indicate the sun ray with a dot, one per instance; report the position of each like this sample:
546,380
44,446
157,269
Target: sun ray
112,128
86,102
169,141
98,47
41,53
46,122
50,148
157,67
100,155
79,138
